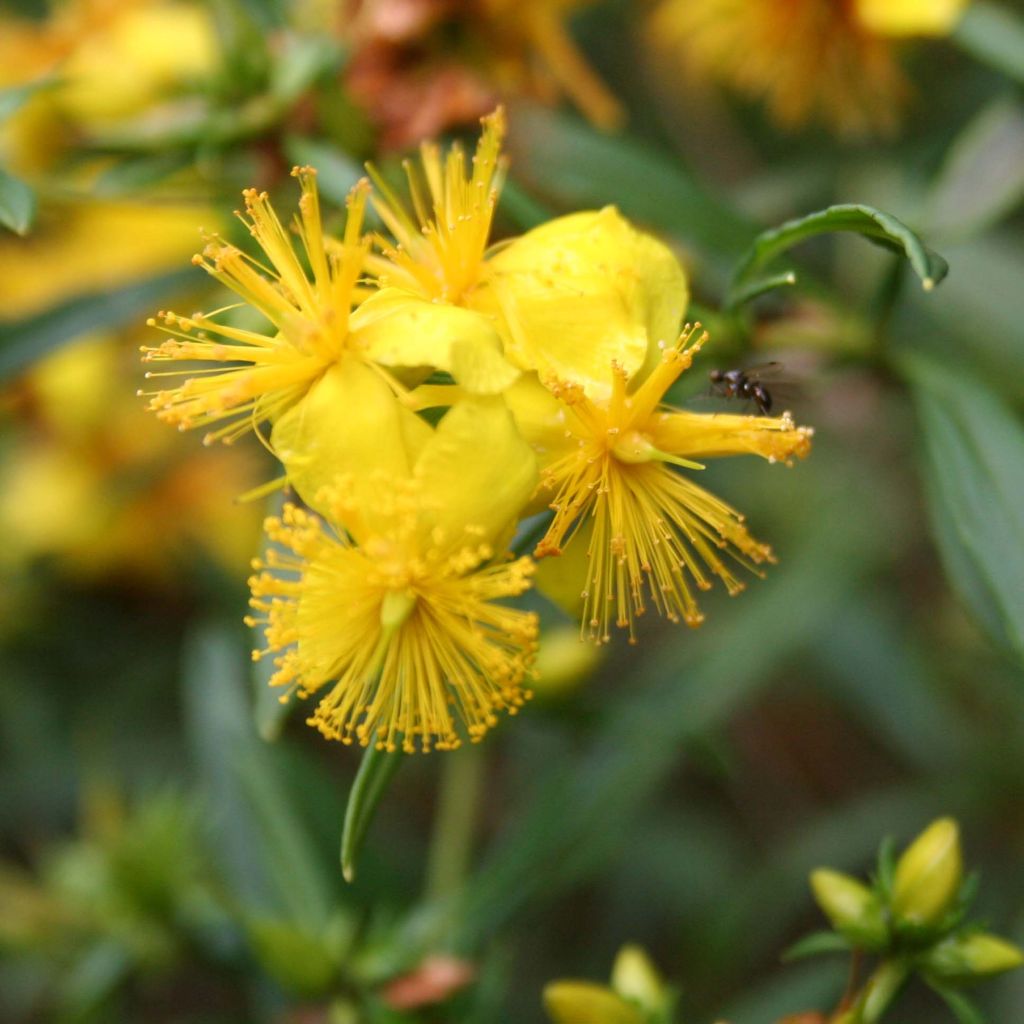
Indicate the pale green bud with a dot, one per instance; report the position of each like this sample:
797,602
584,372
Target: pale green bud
852,907
582,1002
980,955
563,661
928,875
634,977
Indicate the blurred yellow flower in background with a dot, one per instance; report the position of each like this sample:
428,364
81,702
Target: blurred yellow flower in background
93,245
807,60
92,482
392,606
110,60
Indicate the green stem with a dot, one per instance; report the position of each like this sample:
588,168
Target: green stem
451,846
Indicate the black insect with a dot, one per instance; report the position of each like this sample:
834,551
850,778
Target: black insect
745,384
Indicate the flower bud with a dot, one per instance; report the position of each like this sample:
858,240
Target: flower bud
965,957
928,875
582,1002
634,977
564,660
852,907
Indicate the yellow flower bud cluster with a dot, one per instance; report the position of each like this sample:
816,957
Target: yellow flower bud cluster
913,917
636,995
426,394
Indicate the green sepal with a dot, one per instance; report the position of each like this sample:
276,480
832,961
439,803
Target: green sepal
376,770
817,944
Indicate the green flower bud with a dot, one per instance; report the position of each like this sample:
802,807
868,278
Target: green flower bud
582,1002
965,957
854,910
634,977
928,875
563,661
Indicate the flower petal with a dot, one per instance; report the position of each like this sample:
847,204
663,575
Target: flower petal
583,291
476,471
395,328
708,435
348,423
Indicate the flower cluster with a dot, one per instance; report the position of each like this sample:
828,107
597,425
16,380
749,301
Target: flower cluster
426,392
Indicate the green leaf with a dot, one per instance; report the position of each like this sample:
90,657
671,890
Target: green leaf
22,342
982,178
886,866
17,203
267,852
877,227
133,174
759,286
376,770
815,944
963,1008
336,171
304,59
994,35
973,454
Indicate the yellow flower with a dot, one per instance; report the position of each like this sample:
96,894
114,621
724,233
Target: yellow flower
440,244
910,17
110,61
611,464
95,484
313,324
806,59
137,239
392,608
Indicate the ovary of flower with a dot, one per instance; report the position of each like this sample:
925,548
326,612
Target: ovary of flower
614,472
403,630
439,246
310,317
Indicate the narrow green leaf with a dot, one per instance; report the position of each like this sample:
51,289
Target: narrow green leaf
17,203
982,178
302,61
994,35
973,454
759,286
376,770
22,342
336,171
521,208
265,844
135,173
876,226
815,944
886,865
963,1008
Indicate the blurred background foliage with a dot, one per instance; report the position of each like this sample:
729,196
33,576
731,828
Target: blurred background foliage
169,841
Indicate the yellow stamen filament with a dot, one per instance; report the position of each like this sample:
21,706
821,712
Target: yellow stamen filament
653,532
439,246
266,372
407,638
